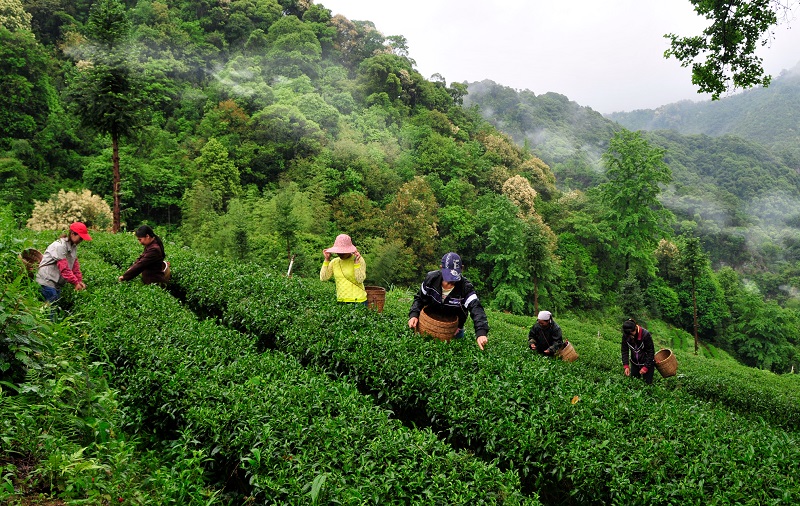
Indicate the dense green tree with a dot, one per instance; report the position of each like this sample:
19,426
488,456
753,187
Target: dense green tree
393,263
456,227
711,307
355,41
106,91
395,76
582,215
729,44
282,132
226,119
286,223
198,216
663,301
758,333
13,182
631,297
249,15
578,281
635,170
542,263
50,18
13,16
505,253
219,173
357,216
412,220
693,261
289,220
294,49
768,330
29,97
439,155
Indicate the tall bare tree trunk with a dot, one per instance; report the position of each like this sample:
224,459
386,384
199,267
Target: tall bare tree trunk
115,163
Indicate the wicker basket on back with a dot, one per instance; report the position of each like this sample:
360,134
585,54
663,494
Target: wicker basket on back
666,363
30,259
438,326
376,296
568,353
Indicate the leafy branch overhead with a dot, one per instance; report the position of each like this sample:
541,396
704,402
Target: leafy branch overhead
724,57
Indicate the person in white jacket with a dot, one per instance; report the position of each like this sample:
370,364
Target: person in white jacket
59,264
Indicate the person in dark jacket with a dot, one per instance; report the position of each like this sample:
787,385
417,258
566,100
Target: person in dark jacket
637,351
449,293
545,335
150,264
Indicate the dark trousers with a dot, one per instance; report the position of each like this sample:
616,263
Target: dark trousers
647,377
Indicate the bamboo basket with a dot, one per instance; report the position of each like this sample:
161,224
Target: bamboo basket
666,363
568,353
376,296
437,326
167,271
30,259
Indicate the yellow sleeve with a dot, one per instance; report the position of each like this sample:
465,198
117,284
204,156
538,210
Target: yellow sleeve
325,272
360,270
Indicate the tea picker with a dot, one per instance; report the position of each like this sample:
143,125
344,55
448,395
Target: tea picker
545,336
348,270
446,296
638,353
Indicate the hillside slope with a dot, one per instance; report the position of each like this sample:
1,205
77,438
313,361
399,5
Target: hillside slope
765,115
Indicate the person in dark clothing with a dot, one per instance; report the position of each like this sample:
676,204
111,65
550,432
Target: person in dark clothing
637,351
150,264
448,293
545,335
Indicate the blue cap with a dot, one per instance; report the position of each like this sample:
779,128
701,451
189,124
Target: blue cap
451,267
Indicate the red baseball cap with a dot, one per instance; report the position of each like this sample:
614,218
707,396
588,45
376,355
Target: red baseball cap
80,229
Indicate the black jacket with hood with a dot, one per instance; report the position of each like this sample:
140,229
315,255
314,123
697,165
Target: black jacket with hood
461,300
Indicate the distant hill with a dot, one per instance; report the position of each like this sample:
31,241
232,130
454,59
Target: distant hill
552,125
770,116
567,136
738,188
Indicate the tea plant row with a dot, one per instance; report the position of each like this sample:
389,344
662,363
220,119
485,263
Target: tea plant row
288,434
573,432
754,393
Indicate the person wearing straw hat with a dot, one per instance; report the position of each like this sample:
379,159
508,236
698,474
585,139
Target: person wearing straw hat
449,293
638,351
348,270
545,335
59,264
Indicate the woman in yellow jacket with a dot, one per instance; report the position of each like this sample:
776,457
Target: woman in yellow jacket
348,270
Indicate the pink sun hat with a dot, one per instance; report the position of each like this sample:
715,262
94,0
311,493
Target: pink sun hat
342,244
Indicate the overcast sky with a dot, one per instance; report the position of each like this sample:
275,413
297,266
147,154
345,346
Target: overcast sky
604,54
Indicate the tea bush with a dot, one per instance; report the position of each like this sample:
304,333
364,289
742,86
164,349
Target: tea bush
578,432
286,430
621,441
61,435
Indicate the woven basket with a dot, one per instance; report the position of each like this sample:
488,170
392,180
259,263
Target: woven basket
437,326
167,270
30,259
666,363
568,353
376,296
